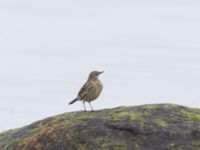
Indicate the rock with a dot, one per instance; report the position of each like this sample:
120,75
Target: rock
146,127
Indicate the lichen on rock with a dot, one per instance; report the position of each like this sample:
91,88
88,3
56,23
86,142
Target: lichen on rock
146,127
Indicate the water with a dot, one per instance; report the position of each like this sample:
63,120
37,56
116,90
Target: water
149,50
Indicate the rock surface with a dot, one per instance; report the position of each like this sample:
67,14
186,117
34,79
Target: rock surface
146,127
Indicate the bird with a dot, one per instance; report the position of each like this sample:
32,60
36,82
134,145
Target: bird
90,90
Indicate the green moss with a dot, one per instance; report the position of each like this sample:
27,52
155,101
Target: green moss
150,107
191,115
126,115
86,116
160,122
131,115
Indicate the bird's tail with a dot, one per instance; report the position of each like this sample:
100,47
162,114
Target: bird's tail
73,101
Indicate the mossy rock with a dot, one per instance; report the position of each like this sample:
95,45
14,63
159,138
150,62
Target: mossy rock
146,127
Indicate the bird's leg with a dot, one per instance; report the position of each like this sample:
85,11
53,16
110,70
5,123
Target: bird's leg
91,107
84,106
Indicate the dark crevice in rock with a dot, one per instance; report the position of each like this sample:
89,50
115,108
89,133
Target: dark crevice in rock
135,130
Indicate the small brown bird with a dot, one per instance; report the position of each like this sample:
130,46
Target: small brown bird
90,90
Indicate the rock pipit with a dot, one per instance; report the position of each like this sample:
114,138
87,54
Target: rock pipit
90,90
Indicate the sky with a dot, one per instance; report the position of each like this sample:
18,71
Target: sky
149,50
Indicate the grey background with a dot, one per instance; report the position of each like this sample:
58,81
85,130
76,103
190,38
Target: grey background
149,50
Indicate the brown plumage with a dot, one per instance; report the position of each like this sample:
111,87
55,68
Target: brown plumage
90,90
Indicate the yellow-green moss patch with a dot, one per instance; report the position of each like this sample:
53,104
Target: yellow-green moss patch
191,115
160,122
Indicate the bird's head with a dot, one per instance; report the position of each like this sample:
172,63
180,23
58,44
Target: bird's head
94,75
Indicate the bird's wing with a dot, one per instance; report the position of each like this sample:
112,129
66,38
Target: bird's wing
84,90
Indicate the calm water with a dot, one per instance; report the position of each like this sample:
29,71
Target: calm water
149,50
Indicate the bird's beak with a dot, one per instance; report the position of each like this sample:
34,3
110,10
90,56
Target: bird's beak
101,72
